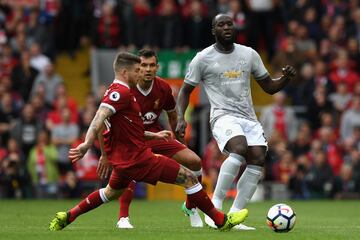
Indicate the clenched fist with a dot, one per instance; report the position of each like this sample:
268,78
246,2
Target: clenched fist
289,71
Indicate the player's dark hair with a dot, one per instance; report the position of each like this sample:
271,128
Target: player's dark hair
148,53
125,60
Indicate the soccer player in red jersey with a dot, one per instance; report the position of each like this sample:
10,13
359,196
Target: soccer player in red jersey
155,95
128,154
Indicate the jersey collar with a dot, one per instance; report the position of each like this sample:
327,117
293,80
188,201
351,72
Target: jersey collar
145,92
121,83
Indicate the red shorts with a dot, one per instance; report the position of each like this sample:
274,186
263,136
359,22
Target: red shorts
156,168
166,148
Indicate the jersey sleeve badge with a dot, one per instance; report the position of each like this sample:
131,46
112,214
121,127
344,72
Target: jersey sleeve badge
114,96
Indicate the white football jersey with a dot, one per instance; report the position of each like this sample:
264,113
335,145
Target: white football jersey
226,78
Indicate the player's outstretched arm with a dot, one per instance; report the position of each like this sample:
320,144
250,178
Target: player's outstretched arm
272,86
182,104
77,153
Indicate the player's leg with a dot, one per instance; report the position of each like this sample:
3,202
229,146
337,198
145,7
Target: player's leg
172,149
189,159
112,191
183,155
174,173
125,201
228,172
230,138
179,152
248,181
255,158
237,148
92,201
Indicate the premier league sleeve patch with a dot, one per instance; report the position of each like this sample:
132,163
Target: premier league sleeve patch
114,96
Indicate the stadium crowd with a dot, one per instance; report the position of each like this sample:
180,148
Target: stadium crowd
313,127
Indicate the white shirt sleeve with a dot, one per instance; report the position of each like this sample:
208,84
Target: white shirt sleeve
258,69
193,74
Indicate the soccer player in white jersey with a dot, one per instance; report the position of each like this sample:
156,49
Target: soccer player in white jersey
225,69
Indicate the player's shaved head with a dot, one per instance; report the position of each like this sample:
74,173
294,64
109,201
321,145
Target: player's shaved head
218,17
125,60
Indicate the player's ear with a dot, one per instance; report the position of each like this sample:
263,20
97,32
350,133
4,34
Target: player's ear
213,31
157,66
124,71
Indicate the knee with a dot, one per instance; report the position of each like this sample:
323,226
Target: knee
195,163
240,149
257,159
111,194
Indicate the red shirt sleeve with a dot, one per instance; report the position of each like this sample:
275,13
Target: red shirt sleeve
116,98
170,101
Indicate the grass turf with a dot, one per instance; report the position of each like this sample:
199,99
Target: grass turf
316,220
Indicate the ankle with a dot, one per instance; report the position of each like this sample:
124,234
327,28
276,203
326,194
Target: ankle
223,223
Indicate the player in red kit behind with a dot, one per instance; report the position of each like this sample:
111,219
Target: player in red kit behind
130,158
155,95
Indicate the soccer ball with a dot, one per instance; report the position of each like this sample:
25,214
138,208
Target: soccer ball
281,218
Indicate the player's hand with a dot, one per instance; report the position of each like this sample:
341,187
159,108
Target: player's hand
164,135
289,72
104,168
180,130
75,154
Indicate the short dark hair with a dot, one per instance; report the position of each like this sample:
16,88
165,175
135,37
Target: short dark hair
125,60
148,53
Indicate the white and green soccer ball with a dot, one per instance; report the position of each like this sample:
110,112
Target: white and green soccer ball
281,218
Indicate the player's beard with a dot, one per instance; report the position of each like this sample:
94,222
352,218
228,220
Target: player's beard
148,78
227,41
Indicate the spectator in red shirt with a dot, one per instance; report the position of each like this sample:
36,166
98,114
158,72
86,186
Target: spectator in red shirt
107,34
284,167
342,71
278,116
330,148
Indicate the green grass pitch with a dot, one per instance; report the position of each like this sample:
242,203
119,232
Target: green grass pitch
316,220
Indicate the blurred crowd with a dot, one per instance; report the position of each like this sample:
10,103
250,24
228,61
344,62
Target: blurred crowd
313,126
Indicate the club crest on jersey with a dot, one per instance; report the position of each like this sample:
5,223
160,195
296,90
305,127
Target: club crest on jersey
114,96
149,117
242,62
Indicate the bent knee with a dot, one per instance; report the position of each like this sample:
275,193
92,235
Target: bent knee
239,149
111,193
189,160
195,163
258,160
256,156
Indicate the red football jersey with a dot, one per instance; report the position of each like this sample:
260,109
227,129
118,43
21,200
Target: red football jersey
124,139
157,98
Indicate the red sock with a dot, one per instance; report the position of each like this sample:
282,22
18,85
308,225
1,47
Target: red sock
202,201
189,204
92,201
126,199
